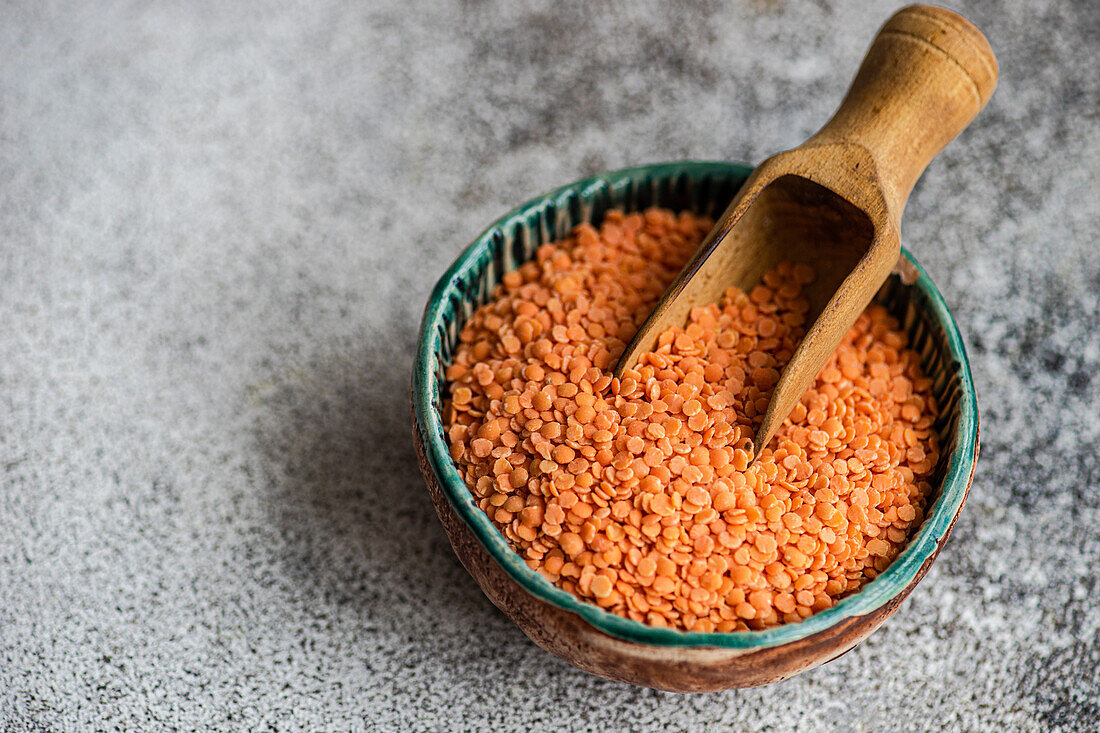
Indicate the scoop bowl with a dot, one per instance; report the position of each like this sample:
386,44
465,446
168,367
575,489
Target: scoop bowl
584,634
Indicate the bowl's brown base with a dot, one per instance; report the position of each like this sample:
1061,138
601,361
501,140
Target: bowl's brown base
677,669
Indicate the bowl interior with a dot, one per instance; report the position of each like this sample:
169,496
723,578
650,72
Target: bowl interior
705,188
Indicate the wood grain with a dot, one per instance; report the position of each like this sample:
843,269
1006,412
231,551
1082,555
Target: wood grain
835,202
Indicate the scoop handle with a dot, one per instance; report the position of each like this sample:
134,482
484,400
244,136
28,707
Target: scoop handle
928,73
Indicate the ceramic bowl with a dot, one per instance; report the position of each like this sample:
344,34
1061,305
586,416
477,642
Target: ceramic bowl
586,635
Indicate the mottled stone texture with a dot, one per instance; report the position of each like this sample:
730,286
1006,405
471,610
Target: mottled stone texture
218,225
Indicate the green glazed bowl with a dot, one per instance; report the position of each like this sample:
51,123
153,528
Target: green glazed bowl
584,634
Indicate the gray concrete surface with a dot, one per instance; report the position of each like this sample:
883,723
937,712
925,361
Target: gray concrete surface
218,226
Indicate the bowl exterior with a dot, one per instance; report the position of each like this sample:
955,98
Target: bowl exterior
582,633
675,669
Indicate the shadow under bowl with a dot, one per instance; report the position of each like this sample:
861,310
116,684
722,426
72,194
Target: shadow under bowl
584,634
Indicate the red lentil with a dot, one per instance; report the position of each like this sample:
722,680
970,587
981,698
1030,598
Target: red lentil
635,493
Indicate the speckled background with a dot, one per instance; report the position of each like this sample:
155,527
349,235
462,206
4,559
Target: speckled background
219,223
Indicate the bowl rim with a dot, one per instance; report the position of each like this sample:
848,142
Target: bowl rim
888,584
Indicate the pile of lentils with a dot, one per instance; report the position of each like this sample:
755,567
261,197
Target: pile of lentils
637,494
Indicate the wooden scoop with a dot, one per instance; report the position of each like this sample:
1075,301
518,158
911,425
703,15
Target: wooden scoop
835,201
